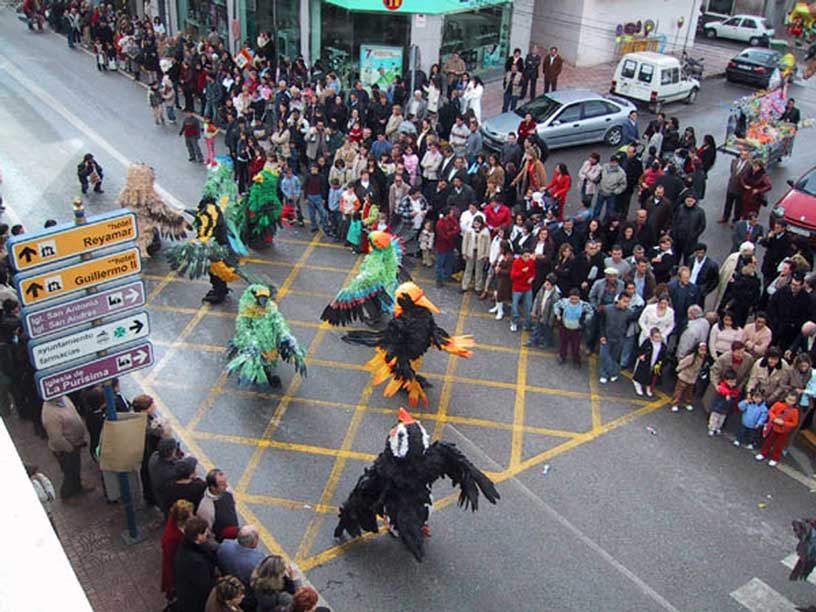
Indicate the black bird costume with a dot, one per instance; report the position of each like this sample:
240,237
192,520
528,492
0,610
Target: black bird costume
407,337
397,486
805,532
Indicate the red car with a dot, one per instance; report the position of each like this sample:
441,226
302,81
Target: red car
798,208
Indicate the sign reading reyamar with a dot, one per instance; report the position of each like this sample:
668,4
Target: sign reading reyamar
68,240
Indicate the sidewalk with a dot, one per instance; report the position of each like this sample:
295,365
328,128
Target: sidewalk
115,577
599,78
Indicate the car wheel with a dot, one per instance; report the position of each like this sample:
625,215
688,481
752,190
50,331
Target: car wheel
614,136
754,41
692,97
711,33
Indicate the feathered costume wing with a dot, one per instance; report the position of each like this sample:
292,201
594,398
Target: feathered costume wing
152,214
376,282
263,208
407,337
399,488
262,337
806,549
221,186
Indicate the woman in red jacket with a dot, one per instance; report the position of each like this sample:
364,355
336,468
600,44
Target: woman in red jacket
525,128
783,418
173,534
522,274
559,187
755,183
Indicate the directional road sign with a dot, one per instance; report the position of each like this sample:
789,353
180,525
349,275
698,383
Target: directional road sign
109,335
45,286
62,317
69,240
67,380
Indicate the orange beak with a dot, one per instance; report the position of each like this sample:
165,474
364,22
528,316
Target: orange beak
405,417
380,240
417,296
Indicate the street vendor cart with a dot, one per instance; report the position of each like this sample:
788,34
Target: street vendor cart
753,124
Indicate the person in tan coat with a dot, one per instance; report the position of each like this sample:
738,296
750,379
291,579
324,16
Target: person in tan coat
688,369
736,359
476,251
771,374
67,435
757,336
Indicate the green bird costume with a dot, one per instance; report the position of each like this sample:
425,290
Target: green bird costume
262,337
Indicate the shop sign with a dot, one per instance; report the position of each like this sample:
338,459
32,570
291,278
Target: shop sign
380,65
392,5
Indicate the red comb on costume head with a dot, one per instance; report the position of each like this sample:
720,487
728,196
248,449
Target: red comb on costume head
405,417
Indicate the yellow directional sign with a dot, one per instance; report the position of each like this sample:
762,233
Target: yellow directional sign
45,286
65,241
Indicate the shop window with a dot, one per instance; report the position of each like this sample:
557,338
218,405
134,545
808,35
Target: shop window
628,70
646,72
481,38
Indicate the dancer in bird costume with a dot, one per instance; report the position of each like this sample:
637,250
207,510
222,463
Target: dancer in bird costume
209,252
397,486
156,219
407,337
262,209
220,186
372,290
805,532
262,337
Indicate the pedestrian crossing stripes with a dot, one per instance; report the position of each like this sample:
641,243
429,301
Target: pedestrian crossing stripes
757,596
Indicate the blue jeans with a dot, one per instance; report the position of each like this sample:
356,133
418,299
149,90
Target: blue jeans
527,297
510,102
628,347
610,359
542,336
316,210
604,198
444,266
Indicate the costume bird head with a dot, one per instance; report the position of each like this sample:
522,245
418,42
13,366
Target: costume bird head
205,202
408,439
379,239
256,300
258,178
412,291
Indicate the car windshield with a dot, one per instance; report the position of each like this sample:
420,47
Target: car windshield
755,55
540,108
807,184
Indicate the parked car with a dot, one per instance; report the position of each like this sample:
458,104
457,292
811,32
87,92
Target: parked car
653,78
752,29
565,118
760,67
798,208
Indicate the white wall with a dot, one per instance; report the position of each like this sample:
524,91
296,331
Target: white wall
520,25
428,39
35,574
584,30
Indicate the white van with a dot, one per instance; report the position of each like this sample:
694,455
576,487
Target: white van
653,78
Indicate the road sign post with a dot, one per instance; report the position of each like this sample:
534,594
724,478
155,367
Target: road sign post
48,272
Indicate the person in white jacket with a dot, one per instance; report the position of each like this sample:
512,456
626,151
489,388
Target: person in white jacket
659,315
473,97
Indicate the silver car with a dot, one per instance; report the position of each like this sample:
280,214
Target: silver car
565,118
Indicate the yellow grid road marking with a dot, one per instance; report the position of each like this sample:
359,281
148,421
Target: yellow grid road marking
594,396
453,362
261,443
517,442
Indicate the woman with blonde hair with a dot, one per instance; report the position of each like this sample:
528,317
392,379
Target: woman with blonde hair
173,534
272,584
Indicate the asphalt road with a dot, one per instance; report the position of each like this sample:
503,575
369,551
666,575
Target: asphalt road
622,520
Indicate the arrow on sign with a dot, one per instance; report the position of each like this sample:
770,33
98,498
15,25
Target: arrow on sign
140,357
27,253
132,296
34,290
137,326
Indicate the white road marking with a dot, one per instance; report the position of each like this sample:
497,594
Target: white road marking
564,522
79,124
790,562
757,596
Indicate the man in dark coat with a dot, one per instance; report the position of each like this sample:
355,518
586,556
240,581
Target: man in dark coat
551,67
688,225
633,168
448,113
777,247
672,184
683,293
747,230
89,172
195,567
788,310
705,273
162,469
531,65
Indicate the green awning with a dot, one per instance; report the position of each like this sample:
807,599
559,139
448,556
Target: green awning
428,7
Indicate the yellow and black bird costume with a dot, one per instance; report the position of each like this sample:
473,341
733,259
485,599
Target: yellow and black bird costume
407,337
209,252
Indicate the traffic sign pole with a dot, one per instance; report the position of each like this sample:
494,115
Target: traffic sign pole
133,534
